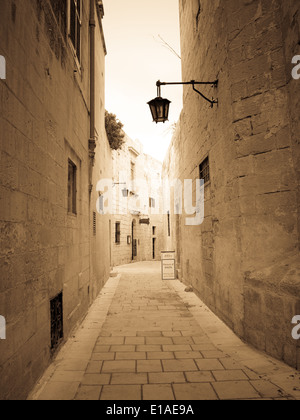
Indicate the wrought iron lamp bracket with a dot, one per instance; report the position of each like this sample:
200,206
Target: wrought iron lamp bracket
193,83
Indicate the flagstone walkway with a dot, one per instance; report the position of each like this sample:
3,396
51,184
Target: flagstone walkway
145,339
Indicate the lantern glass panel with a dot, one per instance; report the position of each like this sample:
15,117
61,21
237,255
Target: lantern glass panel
159,109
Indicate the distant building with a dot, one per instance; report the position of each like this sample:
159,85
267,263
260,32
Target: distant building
55,254
137,229
243,260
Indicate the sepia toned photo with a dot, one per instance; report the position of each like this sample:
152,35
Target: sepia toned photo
150,202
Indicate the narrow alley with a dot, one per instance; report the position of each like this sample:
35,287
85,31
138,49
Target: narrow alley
149,200
145,339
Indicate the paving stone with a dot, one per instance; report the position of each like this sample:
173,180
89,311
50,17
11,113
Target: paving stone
158,392
129,378
135,340
123,348
102,356
199,335
229,375
138,355
193,392
171,333
148,348
177,347
204,376
149,366
166,378
121,393
110,341
209,364
95,379
160,355
188,355
213,354
229,363
88,393
158,340
121,366
183,340
182,365
203,346
232,390
124,333
201,339
94,367
149,334
101,349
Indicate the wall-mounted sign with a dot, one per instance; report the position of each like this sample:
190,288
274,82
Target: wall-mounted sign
168,265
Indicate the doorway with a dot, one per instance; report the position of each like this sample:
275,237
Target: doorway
134,241
154,248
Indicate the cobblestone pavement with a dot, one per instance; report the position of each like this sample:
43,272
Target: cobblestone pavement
145,339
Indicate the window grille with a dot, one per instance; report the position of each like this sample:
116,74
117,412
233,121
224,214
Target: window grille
94,223
205,171
56,314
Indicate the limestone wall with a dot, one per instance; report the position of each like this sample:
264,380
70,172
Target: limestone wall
243,260
44,122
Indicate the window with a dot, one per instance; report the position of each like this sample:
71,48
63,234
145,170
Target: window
72,191
153,230
151,202
204,171
118,233
132,172
132,169
169,224
75,25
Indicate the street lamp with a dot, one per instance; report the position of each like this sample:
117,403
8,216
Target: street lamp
159,106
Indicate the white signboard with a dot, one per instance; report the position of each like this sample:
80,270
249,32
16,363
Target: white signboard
168,265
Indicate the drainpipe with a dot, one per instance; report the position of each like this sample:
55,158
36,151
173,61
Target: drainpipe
92,139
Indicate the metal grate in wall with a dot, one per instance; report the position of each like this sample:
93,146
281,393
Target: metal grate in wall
56,311
204,170
94,223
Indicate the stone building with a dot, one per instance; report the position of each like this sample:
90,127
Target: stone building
137,229
55,256
243,260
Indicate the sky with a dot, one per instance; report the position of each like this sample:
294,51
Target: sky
136,59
